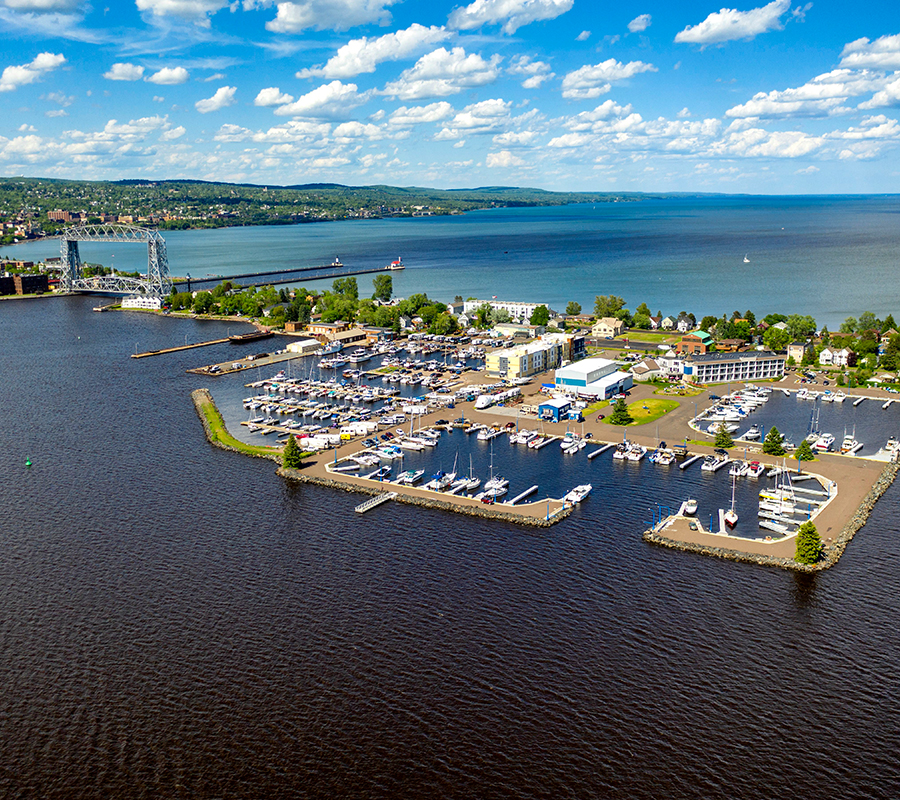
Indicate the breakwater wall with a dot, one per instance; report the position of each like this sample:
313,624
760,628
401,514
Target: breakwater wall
831,553
202,400
485,512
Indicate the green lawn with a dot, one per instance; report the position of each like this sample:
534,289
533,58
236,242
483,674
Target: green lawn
595,407
650,336
221,434
644,411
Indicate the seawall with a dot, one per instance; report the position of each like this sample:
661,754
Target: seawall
831,553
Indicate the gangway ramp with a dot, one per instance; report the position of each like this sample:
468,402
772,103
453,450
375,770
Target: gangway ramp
372,502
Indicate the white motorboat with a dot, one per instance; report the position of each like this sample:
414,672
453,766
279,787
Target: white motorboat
824,442
690,506
578,494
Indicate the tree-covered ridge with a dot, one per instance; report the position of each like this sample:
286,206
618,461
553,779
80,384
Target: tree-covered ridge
176,204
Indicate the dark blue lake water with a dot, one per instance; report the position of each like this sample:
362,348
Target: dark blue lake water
179,621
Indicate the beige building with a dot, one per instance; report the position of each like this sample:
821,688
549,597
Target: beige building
607,328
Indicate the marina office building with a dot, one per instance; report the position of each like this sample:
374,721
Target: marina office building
725,367
593,377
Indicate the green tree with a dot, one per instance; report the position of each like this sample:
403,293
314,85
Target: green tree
573,309
644,309
347,287
867,322
804,452
891,358
799,326
607,305
483,316
750,317
383,286
849,325
291,456
826,336
620,414
723,437
774,319
500,315
888,324
708,324
641,321
776,338
809,544
540,316
772,445
203,302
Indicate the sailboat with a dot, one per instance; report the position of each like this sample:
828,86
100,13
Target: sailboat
731,516
496,486
746,260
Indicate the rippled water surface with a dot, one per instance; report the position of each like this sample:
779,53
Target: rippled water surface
177,621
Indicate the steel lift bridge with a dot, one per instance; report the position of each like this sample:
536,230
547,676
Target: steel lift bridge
156,283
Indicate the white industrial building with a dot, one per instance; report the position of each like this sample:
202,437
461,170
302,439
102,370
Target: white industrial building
516,310
142,301
593,377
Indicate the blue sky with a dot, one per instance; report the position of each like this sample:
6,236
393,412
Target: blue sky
559,94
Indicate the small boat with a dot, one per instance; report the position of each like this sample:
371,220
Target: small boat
578,494
752,434
824,442
411,477
690,506
755,469
709,464
738,469
746,260
730,516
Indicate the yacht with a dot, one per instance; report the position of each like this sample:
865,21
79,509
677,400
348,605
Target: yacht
411,477
824,442
578,494
738,469
755,469
753,434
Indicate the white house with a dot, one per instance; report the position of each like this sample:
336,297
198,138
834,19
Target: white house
684,324
837,358
646,370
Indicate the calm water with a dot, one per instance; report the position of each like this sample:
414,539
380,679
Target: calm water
825,256
176,621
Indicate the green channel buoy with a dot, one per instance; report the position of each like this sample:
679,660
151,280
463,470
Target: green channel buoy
27,462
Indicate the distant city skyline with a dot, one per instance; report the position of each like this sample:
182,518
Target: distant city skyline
555,94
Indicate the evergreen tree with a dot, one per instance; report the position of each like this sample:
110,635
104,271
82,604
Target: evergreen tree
809,544
772,445
620,415
723,437
804,452
291,455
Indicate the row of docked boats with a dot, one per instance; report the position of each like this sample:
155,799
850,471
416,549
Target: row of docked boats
826,397
629,451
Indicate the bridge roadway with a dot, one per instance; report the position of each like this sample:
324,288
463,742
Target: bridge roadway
280,275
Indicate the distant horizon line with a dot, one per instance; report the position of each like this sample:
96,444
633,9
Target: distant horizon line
484,189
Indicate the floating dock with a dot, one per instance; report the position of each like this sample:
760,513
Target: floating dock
688,462
523,495
592,456
858,401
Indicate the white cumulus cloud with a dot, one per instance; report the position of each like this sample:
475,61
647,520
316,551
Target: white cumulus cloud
169,76
365,54
223,97
273,96
433,112
536,72
640,23
883,53
331,100
338,15
504,159
729,24
443,72
124,72
824,95
513,13
583,36
43,6
593,80
15,76
197,11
